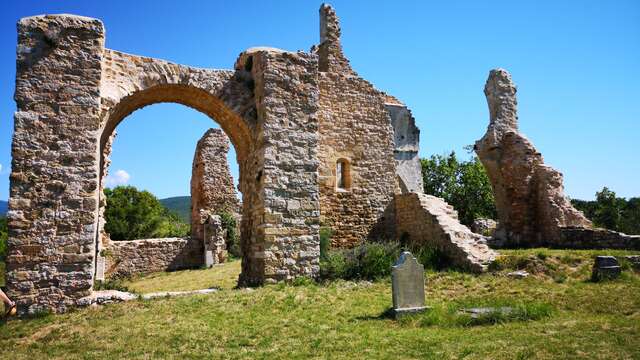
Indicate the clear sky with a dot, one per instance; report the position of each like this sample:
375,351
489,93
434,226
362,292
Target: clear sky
576,64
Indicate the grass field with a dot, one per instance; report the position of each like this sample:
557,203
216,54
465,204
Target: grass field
565,317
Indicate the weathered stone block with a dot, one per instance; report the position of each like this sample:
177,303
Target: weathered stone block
407,283
606,268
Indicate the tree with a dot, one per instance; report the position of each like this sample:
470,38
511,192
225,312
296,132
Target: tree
132,214
611,212
464,185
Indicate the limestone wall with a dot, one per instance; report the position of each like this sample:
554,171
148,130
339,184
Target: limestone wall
407,145
135,257
425,220
355,127
529,195
212,186
54,181
587,238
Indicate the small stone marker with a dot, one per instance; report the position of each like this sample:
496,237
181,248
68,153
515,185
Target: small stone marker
605,268
407,282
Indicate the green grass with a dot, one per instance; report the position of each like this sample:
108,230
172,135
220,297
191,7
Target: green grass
223,276
571,319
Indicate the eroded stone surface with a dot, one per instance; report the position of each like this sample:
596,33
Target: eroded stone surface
425,220
530,200
407,284
212,188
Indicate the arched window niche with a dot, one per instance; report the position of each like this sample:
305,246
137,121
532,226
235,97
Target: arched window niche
343,175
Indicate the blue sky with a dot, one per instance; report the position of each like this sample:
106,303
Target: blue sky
576,64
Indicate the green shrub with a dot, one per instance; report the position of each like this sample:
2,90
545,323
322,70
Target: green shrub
368,261
230,224
325,240
113,284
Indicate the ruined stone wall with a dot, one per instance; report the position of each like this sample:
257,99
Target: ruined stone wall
427,221
54,181
286,243
212,186
529,195
588,238
144,256
354,126
407,144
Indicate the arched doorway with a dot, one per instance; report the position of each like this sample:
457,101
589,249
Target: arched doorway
161,153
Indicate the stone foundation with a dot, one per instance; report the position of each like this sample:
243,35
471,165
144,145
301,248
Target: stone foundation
138,257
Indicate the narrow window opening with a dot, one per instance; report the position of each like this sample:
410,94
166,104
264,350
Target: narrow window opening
343,175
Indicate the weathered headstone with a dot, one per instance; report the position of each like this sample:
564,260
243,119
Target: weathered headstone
605,268
407,282
215,250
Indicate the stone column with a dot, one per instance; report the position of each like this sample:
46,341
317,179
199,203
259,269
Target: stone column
285,243
54,181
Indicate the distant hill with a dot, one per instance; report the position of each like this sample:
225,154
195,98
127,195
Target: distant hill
181,205
4,205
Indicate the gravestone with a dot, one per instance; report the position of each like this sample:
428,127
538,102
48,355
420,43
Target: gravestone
407,282
605,268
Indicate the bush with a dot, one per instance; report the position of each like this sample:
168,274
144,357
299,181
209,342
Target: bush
230,224
369,261
325,241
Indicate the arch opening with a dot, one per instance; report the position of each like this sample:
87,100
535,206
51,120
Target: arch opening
231,124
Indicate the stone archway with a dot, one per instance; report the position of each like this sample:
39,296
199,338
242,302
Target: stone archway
71,92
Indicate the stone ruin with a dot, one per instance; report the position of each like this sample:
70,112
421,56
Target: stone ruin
533,210
315,144
212,187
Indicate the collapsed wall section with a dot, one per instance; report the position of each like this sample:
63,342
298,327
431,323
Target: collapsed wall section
407,144
428,221
356,147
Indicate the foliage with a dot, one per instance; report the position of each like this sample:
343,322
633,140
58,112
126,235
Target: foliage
229,223
464,185
372,261
325,241
132,214
4,236
611,212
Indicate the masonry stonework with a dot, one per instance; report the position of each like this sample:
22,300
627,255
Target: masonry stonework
212,186
355,128
138,257
530,200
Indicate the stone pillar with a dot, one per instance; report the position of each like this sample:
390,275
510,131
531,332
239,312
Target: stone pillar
530,200
53,206
212,186
285,243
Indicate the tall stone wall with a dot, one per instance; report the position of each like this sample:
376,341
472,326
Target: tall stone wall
286,242
530,200
54,181
144,256
354,127
212,186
